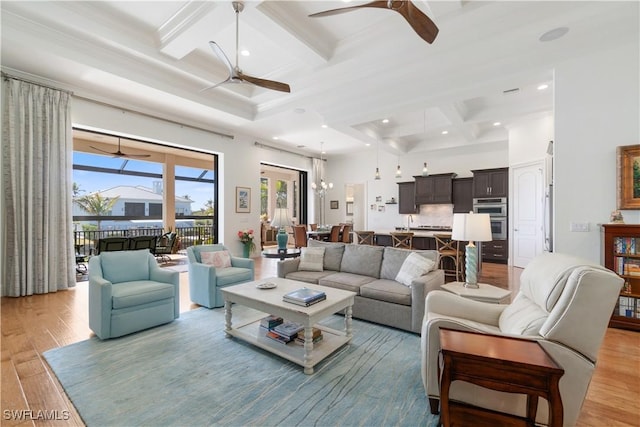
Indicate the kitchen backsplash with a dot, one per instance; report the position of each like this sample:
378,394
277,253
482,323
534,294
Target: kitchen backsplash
439,215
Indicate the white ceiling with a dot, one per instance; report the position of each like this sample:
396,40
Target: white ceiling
347,72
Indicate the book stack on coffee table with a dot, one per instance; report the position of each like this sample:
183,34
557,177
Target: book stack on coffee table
304,297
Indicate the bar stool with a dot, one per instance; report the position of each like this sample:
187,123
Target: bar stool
450,250
402,240
365,237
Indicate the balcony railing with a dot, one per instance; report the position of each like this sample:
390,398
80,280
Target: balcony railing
86,242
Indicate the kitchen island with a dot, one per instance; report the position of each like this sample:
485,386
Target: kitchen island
422,238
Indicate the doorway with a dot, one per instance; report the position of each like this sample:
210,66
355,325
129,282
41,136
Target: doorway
282,187
528,212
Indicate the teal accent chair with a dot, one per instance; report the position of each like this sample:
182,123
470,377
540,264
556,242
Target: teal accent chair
205,281
129,292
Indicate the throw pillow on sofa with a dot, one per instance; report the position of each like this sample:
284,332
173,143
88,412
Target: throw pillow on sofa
219,259
311,259
413,267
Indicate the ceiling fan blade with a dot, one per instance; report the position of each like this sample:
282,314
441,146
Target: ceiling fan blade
220,54
269,84
380,4
421,23
130,156
217,84
104,151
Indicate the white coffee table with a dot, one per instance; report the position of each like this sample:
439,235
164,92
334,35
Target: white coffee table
485,293
269,301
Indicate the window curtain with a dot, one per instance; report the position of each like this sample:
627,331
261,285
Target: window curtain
37,148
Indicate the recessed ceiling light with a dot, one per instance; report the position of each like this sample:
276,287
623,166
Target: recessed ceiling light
497,123
245,52
554,34
324,126
444,132
367,144
385,120
543,86
276,138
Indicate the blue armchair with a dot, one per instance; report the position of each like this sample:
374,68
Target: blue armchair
129,292
206,280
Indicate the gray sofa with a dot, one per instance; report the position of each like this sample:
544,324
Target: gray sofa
370,272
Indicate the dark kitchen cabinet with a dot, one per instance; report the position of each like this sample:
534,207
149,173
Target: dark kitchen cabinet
406,198
491,182
495,251
434,189
462,195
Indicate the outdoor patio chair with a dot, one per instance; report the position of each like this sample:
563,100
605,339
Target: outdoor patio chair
113,243
143,242
164,247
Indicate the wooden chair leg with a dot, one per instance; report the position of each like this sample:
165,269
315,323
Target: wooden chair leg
434,405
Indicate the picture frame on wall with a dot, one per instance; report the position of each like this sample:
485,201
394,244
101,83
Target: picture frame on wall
628,177
349,208
333,204
243,199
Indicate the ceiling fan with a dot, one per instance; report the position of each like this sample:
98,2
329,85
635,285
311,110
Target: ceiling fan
119,153
421,23
235,74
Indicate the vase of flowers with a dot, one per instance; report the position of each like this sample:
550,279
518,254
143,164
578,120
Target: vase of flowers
246,237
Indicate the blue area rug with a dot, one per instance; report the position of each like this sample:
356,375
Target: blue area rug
187,373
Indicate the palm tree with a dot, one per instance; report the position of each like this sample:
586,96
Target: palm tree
95,204
76,189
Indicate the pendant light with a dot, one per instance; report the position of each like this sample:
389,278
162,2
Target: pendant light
398,171
425,171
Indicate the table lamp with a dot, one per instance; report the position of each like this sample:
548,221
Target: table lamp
281,220
472,228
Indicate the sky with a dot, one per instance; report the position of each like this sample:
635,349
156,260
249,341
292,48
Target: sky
94,181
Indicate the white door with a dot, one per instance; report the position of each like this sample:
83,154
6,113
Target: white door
528,212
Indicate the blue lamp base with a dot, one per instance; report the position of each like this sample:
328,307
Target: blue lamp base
282,237
471,266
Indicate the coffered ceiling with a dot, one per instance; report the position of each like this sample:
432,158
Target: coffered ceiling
347,72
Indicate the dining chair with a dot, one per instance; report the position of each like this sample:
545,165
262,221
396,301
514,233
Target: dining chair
402,240
313,227
335,233
451,258
346,233
365,237
300,236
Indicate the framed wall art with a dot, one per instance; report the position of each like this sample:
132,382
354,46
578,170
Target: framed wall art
243,199
628,179
334,204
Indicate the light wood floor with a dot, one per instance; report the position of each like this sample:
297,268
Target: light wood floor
32,325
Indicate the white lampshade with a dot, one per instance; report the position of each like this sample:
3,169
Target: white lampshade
280,218
471,227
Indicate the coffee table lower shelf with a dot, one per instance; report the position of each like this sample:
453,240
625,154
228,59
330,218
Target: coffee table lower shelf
254,334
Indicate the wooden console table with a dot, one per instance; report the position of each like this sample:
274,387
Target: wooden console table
500,363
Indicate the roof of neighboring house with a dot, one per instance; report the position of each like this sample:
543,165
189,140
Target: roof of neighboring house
138,192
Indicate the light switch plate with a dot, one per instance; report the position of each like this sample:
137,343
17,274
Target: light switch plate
579,226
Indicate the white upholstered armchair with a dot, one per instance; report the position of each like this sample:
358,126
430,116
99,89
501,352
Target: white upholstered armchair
564,303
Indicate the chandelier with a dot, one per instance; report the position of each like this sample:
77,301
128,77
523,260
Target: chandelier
323,187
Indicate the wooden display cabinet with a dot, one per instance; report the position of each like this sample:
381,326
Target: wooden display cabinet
622,255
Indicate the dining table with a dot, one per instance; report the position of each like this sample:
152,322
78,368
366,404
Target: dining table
319,235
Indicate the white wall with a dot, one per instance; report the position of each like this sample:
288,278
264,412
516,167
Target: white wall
239,159
596,109
528,139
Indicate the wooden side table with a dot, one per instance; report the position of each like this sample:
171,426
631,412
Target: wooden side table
500,363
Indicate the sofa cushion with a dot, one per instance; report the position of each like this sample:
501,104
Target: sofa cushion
387,290
347,281
393,259
362,259
308,276
138,292
311,259
233,275
219,259
332,253
413,267
125,266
